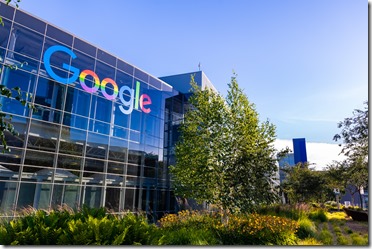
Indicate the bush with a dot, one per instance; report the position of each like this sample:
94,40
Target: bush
87,227
318,215
251,229
326,237
306,229
188,236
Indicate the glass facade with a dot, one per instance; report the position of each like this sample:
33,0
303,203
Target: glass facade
101,131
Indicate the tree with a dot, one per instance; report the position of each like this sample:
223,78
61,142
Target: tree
354,133
352,173
304,184
225,156
5,120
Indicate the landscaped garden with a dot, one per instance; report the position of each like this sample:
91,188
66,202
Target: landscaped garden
272,225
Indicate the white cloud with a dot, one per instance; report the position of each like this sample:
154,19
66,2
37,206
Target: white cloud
319,154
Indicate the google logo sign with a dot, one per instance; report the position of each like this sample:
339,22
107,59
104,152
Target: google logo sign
134,101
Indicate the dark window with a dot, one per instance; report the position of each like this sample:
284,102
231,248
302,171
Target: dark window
72,141
125,67
141,75
59,35
38,158
83,62
29,21
4,32
123,79
112,199
50,93
12,157
46,114
118,149
84,47
26,195
43,136
115,168
25,41
155,83
69,162
129,199
77,102
103,56
133,170
6,11
94,165
97,146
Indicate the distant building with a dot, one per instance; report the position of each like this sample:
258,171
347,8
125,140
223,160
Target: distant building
299,149
299,155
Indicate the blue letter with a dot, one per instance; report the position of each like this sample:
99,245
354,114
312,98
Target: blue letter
48,53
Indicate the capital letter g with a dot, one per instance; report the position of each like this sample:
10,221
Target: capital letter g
48,53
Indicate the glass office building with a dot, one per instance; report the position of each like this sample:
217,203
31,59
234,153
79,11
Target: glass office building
100,133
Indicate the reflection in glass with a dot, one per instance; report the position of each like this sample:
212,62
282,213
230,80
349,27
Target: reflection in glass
7,194
25,41
39,158
129,199
118,150
97,146
115,168
50,93
64,194
69,162
112,199
77,102
92,196
94,165
72,141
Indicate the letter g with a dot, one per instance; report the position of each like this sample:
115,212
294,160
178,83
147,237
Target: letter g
48,53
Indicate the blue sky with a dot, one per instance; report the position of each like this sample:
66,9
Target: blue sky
303,63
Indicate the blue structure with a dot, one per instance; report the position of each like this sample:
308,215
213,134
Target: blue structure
299,149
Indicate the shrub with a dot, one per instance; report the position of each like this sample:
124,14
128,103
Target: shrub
359,240
318,215
87,227
306,229
188,236
326,237
251,229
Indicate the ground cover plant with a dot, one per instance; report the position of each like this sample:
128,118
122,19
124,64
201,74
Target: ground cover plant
270,225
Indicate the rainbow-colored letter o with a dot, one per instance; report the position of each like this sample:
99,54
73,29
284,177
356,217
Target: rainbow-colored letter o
82,77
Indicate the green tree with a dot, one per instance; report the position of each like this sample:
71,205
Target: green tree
354,133
225,156
353,171
304,184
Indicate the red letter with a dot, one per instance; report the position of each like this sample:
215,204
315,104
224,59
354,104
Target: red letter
145,100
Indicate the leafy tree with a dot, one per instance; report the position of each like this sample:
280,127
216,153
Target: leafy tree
303,184
354,133
352,173
225,156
